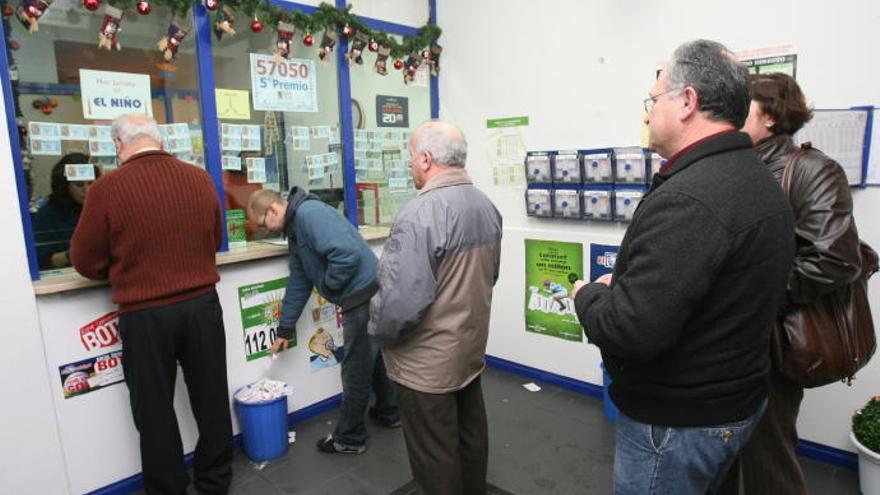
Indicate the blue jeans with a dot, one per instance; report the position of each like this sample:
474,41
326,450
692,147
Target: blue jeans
362,369
660,460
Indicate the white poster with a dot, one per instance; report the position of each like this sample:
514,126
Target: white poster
286,86
107,95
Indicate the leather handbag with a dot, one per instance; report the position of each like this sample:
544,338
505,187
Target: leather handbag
830,339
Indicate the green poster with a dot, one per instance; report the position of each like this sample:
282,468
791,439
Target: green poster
260,314
235,231
551,270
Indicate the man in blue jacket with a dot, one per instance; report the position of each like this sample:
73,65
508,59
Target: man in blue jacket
327,253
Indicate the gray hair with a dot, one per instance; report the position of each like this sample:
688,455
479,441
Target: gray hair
721,82
129,127
444,141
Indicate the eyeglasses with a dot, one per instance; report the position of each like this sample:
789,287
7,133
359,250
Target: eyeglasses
652,99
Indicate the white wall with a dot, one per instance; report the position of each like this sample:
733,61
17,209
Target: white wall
31,453
580,70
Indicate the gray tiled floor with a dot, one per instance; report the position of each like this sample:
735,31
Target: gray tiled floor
547,442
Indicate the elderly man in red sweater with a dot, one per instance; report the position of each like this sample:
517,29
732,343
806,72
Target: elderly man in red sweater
152,228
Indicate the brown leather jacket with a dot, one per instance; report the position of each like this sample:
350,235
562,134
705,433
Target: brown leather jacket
827,243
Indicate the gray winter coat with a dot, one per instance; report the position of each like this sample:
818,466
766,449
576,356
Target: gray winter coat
436,274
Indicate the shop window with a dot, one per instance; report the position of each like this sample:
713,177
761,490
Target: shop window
270,139
384,111
62,82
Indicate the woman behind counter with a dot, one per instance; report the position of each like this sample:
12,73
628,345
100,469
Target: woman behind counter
55,221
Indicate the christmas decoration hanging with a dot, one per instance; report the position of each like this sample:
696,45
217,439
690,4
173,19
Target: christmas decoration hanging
30,11
224,23
211,5
143,7
410,67
256,25
308,39
398,64
170,43
328,41
91,5
108,35
357,48
348,31
284,40
434,59
382,60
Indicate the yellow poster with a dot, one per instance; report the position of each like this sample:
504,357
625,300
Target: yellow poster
233,104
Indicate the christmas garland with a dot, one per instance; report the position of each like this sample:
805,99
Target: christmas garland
327,19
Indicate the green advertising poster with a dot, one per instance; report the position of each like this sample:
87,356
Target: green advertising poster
235,231
551,270
260,313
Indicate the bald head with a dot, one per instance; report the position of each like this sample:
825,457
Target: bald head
133,133
260,201
443,141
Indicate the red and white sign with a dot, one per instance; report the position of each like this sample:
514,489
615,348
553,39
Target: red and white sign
101,333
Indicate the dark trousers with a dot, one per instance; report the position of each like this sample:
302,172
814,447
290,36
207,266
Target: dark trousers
447,439
768,463
362,369
154,341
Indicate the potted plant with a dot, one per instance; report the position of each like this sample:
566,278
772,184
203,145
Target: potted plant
866,437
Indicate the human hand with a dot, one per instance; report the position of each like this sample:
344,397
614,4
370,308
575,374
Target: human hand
604,279
279,345
577,286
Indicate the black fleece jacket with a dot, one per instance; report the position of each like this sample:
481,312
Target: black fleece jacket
684,327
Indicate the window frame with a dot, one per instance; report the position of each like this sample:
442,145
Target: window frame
208,106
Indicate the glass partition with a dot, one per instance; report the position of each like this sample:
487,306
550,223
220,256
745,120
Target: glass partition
384,110
279,122
69,89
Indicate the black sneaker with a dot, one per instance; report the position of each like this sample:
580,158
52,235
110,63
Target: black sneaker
374,415
330,446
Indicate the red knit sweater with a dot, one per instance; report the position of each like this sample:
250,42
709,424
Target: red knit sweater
152,228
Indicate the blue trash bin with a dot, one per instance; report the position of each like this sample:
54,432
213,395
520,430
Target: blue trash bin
263,428
610,408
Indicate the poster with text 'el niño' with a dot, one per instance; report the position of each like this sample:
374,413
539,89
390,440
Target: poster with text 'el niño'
551,270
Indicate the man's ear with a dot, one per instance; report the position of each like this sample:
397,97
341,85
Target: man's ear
690,103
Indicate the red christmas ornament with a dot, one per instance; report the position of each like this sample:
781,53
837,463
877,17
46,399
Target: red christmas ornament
8,10
410,72
348,30
426,54
211,4
398,64
91,5
308,40
256,26
47,109
373,46
144,7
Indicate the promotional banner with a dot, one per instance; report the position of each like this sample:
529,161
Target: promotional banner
91,374
602,258
285,86
551,270
260,314
323,324
102,333
392,111
107,95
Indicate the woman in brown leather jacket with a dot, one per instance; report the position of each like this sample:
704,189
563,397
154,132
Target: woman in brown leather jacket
827,258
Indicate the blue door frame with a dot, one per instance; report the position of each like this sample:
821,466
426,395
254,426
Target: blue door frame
210,123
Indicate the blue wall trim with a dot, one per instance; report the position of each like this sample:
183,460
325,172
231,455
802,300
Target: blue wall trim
343,80
828,455
136,482
545,376
208,100
21,185
435,81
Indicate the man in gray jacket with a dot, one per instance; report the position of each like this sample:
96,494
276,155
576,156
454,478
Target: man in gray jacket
431,314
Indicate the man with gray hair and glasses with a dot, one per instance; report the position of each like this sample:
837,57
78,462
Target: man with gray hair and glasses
431,314
684,322
152,228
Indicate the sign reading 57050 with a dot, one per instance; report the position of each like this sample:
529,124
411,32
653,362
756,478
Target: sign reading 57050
283,85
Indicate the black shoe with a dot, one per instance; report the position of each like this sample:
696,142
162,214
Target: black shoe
374,415
330,446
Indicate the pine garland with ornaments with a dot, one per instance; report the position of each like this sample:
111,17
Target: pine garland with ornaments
327,20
